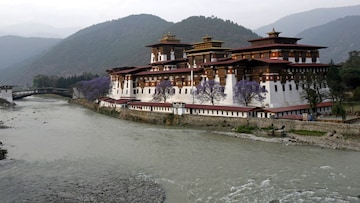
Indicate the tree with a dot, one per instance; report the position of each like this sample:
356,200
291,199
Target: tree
42,81
163,91
356,94
350,72
312,91
209,91
335,84
245,91
351,77
339,110
95,88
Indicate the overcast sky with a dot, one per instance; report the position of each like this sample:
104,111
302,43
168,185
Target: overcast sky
83,13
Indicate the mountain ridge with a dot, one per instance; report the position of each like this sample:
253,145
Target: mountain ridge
37,30
120,42
339,36
290,25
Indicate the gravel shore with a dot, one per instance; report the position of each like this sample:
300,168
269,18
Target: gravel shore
332,142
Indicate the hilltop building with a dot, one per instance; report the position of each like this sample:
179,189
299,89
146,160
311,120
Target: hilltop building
277,63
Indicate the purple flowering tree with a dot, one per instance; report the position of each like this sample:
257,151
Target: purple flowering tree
95,88
163,91
245,91
209,91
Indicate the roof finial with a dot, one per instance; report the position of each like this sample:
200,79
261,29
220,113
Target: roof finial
273,33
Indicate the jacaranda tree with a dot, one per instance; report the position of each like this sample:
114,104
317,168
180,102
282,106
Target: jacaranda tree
245,91
163,91
95,88
209,91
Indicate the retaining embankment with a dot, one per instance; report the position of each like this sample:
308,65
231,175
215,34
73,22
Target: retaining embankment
225,123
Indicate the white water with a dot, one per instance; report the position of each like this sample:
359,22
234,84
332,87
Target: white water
56,145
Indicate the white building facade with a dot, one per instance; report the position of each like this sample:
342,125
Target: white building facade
279,64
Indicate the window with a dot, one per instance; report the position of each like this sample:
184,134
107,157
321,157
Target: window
290,87
296,54
297,87
149,91
180,91
283,88
186,91
303,57
313,57
286,56
275,88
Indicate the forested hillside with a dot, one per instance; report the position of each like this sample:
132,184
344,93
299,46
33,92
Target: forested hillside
121,43
194,28
340,36
292,25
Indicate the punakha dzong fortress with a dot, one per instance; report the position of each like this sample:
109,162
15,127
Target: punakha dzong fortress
277,63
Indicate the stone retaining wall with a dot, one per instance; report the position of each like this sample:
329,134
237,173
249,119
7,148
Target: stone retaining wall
226,123
230,123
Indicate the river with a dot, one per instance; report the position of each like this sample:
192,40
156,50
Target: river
55,148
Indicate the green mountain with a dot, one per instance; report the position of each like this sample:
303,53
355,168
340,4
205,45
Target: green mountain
340,36
292,25
15,49
121,43
194,28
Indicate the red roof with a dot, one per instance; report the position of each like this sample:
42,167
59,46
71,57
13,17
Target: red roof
157,104
297,107
222,108
274,46
273,61
308,64
278,38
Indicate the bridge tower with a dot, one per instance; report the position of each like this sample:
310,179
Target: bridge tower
6,93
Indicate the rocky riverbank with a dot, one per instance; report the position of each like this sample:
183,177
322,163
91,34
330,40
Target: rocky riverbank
327,141
5,103
3,152
120,189
332,142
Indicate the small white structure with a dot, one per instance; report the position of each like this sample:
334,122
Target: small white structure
6,93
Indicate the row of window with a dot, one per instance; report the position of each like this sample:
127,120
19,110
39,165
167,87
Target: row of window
297,87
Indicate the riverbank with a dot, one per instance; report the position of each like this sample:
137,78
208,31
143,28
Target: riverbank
3,152
227,126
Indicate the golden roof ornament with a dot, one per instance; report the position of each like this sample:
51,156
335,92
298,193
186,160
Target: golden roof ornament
169,38
273,33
